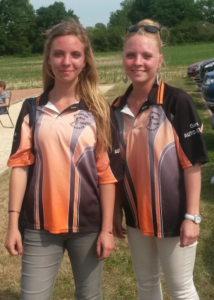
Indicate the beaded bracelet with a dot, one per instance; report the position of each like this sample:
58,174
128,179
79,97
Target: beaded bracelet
14,211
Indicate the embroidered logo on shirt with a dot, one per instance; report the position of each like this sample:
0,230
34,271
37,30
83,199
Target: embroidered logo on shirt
80,121
153,121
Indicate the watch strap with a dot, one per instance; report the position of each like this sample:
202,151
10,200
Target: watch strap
189,217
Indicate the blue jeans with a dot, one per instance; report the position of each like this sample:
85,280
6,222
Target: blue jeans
43,252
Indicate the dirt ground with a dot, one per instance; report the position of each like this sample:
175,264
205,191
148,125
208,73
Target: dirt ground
17,95
6,134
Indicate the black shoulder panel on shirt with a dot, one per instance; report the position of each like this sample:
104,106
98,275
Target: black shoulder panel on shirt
114,156
25,110
181,112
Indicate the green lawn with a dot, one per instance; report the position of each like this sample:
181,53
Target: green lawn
20,73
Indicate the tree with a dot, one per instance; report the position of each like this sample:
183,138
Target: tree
46,18
120,17
17,22
206,9
115,38
167,12
98,37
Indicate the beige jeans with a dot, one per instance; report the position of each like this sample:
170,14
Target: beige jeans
149,253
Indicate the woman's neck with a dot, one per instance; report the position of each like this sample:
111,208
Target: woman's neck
63,95
138,96
141,91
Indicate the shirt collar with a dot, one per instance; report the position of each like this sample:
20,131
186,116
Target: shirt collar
155,96
81,105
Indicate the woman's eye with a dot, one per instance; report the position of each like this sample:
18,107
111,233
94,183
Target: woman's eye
57,54
130,55
76,54
147,56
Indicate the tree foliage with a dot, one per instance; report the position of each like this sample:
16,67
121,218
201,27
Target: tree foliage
185,21
206,8
168,12
46,18
22,28
17,19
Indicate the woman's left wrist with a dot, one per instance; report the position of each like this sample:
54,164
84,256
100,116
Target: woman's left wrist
107,231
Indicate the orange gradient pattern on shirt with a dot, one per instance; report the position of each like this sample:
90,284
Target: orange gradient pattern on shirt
56,184
23,156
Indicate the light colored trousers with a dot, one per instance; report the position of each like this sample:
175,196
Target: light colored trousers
42,257
177,263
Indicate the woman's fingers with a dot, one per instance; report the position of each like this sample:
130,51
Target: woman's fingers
13,243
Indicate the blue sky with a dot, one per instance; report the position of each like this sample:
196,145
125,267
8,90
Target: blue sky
89,12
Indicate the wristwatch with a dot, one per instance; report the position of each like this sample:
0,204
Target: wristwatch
195,218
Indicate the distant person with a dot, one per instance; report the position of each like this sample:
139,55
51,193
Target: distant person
4,100
162,149
62,186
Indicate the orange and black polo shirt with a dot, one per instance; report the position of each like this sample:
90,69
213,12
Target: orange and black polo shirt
156,145
62,192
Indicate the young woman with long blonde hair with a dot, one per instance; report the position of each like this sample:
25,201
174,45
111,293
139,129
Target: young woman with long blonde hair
162,149
64,168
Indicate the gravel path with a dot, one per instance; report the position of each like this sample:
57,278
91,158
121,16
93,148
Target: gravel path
6,134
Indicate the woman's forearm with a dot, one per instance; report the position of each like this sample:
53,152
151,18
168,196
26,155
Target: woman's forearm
192,178
107,198
18,182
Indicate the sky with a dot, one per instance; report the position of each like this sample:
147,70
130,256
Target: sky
89,12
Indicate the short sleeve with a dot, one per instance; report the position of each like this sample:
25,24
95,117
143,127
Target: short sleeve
21,154
188,130
109,165
5,95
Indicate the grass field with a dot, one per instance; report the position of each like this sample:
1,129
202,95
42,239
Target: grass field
22,73
118,277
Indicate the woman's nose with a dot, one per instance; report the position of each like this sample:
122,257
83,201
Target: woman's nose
67,60
138,60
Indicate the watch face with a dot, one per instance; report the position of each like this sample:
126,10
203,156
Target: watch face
197,219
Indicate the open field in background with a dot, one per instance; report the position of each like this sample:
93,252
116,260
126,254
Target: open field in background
23,73
118,278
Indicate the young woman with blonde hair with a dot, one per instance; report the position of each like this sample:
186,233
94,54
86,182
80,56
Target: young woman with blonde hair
162,149
65,163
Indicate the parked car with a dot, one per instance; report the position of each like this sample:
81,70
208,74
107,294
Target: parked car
191,70
197,70
208,89
206,66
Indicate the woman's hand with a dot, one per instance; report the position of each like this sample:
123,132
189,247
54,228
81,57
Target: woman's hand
189,233
105,244
13,242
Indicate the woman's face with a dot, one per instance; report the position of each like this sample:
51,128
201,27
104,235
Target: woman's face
1,89
141,58
67,58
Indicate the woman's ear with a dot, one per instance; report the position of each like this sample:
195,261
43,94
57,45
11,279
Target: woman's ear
160,61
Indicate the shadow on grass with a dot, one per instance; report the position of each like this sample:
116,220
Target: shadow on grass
8,294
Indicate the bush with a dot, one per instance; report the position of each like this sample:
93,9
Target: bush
190,32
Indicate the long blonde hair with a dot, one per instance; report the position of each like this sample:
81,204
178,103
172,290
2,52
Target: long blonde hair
87,87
